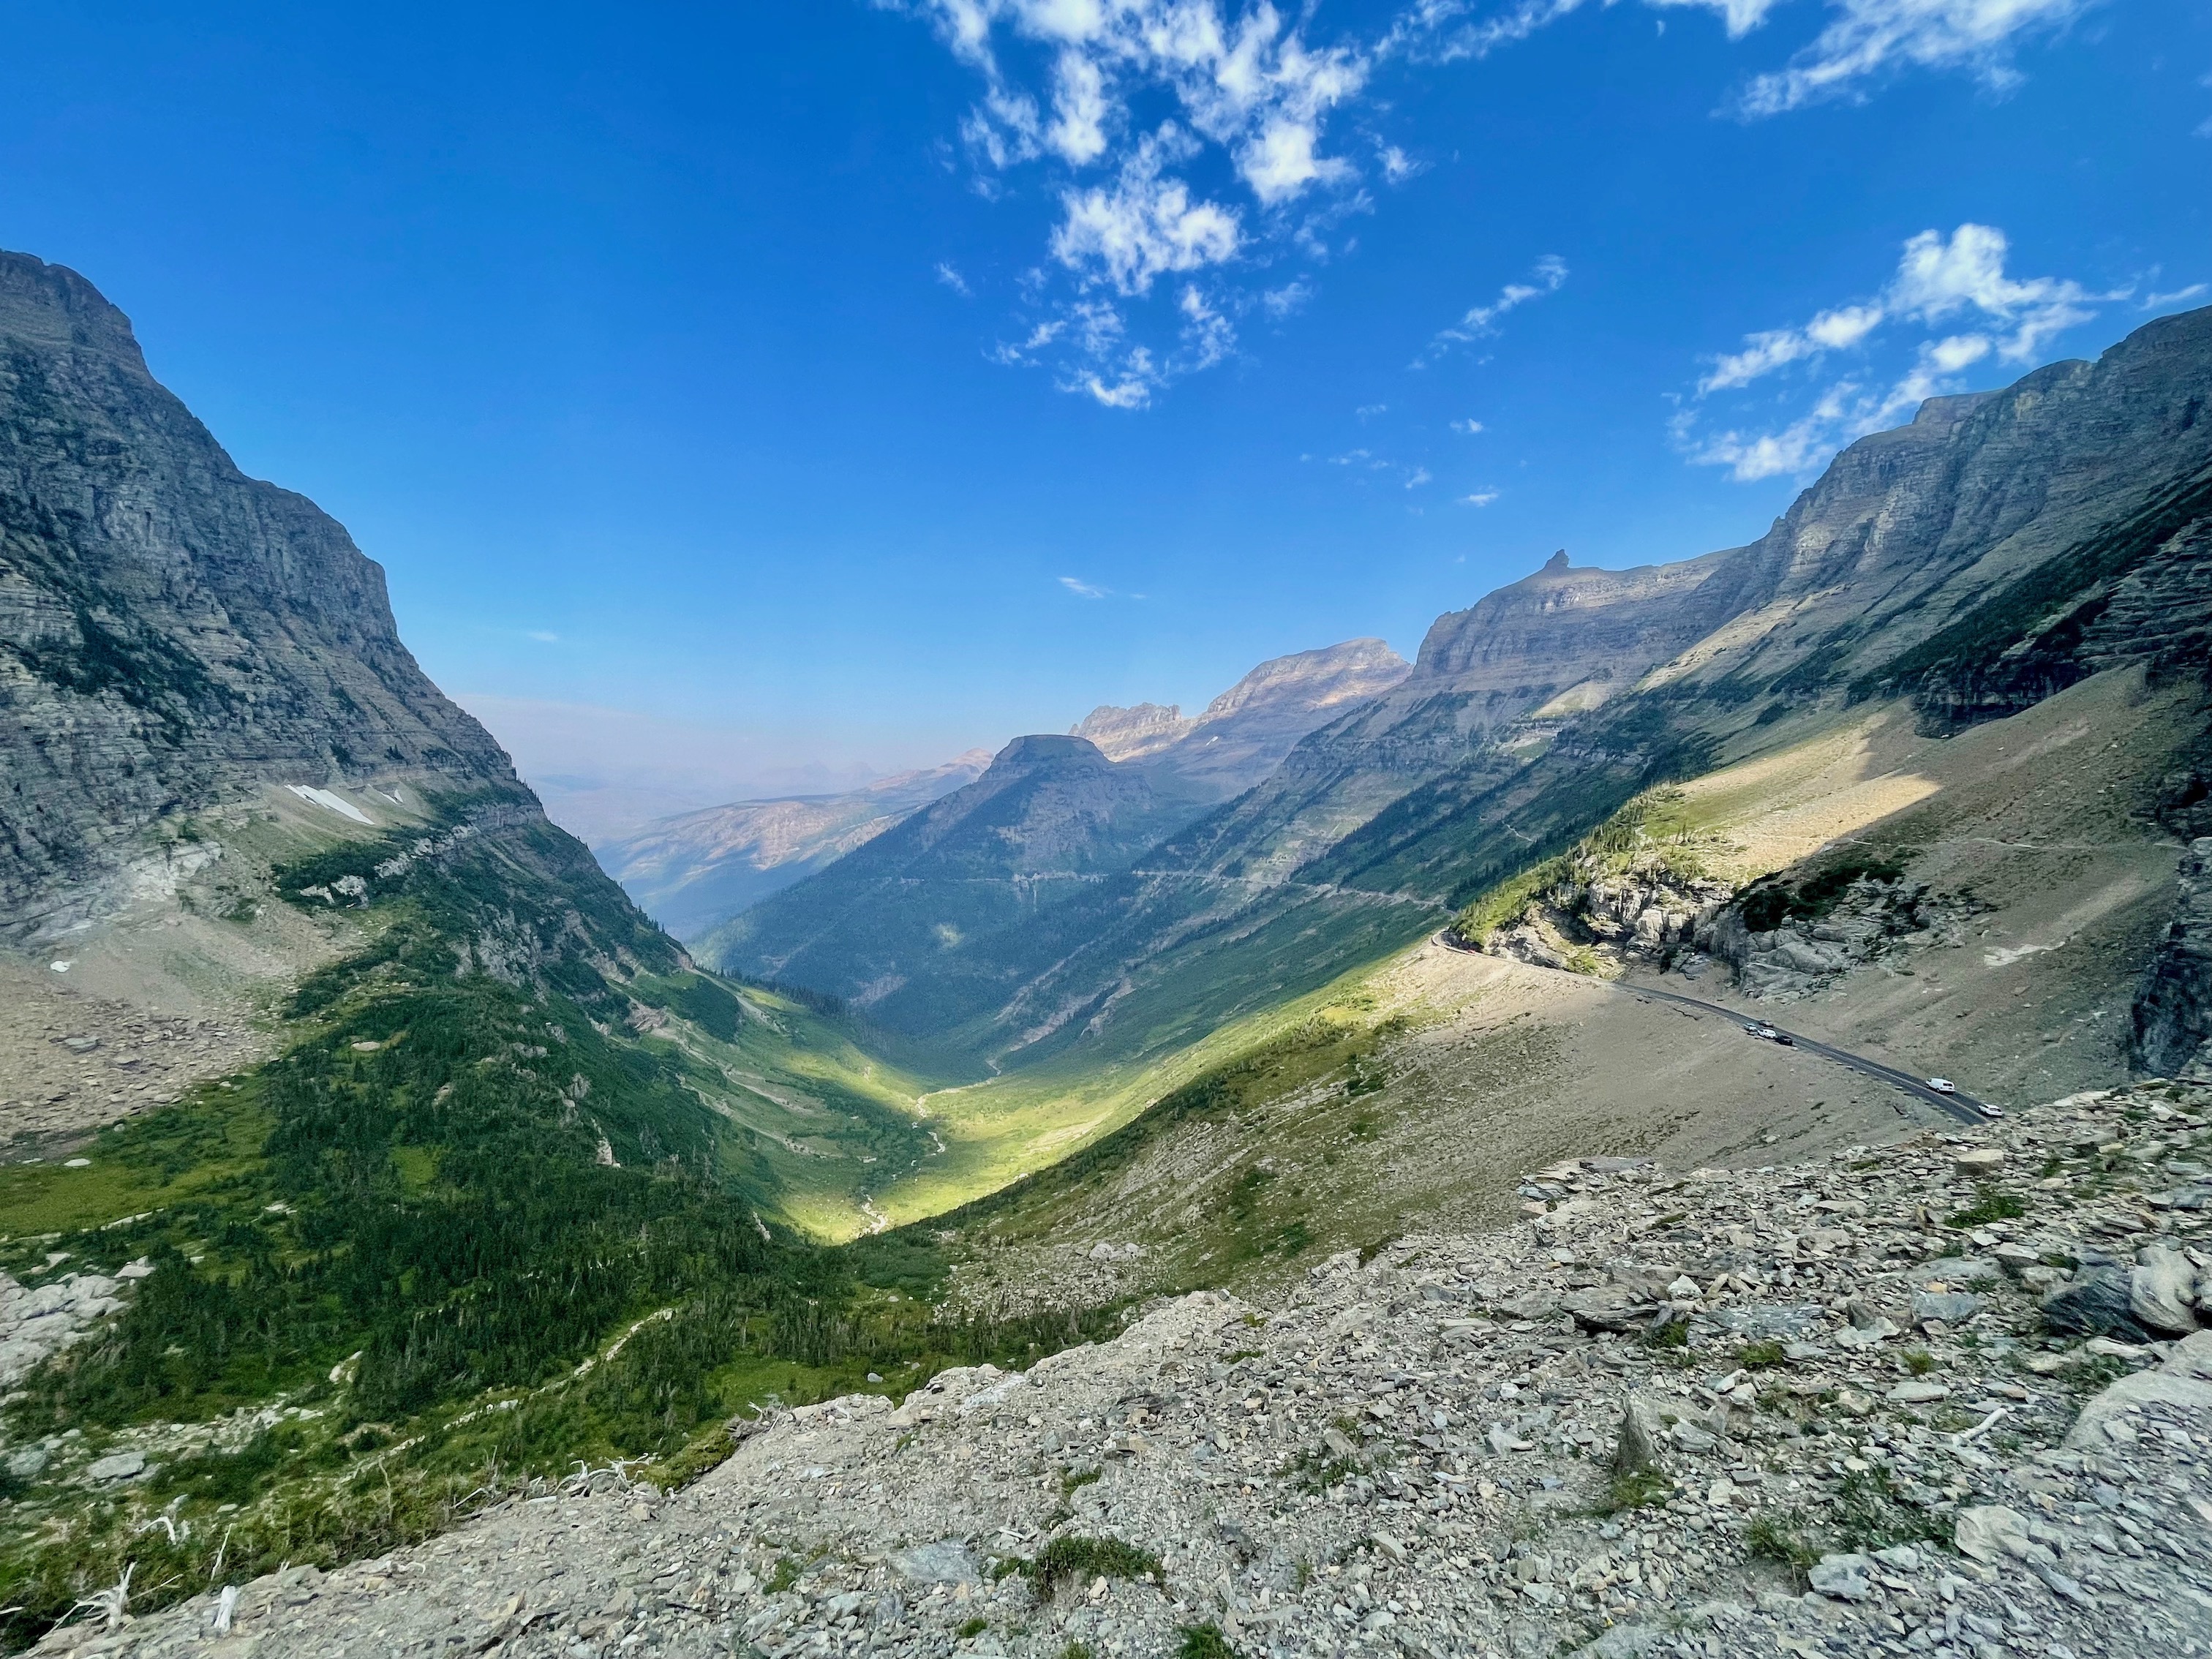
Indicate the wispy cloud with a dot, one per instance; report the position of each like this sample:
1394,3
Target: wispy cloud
1940,283
1084,590
953,280
1466,428
1869,40
1081,85
2181,296
542,635
1416,477
1549,273
1480,498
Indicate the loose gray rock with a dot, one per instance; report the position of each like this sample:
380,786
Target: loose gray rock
118,1466
944,1563
1844,1576
1944,1307
1990,1532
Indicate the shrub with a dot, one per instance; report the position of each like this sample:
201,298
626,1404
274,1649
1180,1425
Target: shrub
1075,1559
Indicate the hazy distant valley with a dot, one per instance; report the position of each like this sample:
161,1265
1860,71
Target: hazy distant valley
372,1159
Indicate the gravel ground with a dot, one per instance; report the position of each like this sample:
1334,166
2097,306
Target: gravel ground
1856,1428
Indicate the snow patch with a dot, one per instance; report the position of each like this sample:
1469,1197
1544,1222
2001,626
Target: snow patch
338,803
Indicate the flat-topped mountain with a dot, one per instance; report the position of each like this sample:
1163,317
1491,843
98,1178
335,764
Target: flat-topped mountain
172,633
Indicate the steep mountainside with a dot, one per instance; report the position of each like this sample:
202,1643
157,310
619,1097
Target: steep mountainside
1051,816
1995,549
694,871
173,634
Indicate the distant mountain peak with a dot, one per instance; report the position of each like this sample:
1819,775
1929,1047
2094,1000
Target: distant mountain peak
1248,728
1124,734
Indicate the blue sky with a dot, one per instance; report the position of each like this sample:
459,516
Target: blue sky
750,395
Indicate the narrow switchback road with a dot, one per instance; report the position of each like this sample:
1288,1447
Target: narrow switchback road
1961,1105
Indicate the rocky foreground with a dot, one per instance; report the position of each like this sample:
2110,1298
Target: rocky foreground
1939,1398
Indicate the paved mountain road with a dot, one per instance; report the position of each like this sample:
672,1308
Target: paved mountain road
1962,1106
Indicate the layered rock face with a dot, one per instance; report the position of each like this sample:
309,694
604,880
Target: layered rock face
1135,733
695,872
172,633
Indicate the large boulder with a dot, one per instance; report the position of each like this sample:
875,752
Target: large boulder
2098,1301
2161,1289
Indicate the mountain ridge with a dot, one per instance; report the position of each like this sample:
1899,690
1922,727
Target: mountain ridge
172,632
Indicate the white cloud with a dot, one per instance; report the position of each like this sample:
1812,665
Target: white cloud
1143,225
953,280
1208,336
1865,39
544,637
1480,498
1369,412
1868,38
1416,477
1739,17
1939,281
1081,85
1080,111
1084,590
1397,165
1467,427
2179,297
1548,274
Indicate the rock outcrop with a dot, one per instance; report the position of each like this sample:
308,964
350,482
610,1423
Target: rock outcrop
1812,1409
173,634
1869,918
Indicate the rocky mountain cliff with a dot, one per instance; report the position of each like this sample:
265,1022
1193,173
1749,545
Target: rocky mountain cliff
173,634
694,871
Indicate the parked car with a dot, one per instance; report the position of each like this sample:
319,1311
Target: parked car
1942,1085
1988,1110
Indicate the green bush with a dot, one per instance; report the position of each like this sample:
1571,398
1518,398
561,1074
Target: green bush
1077,1560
